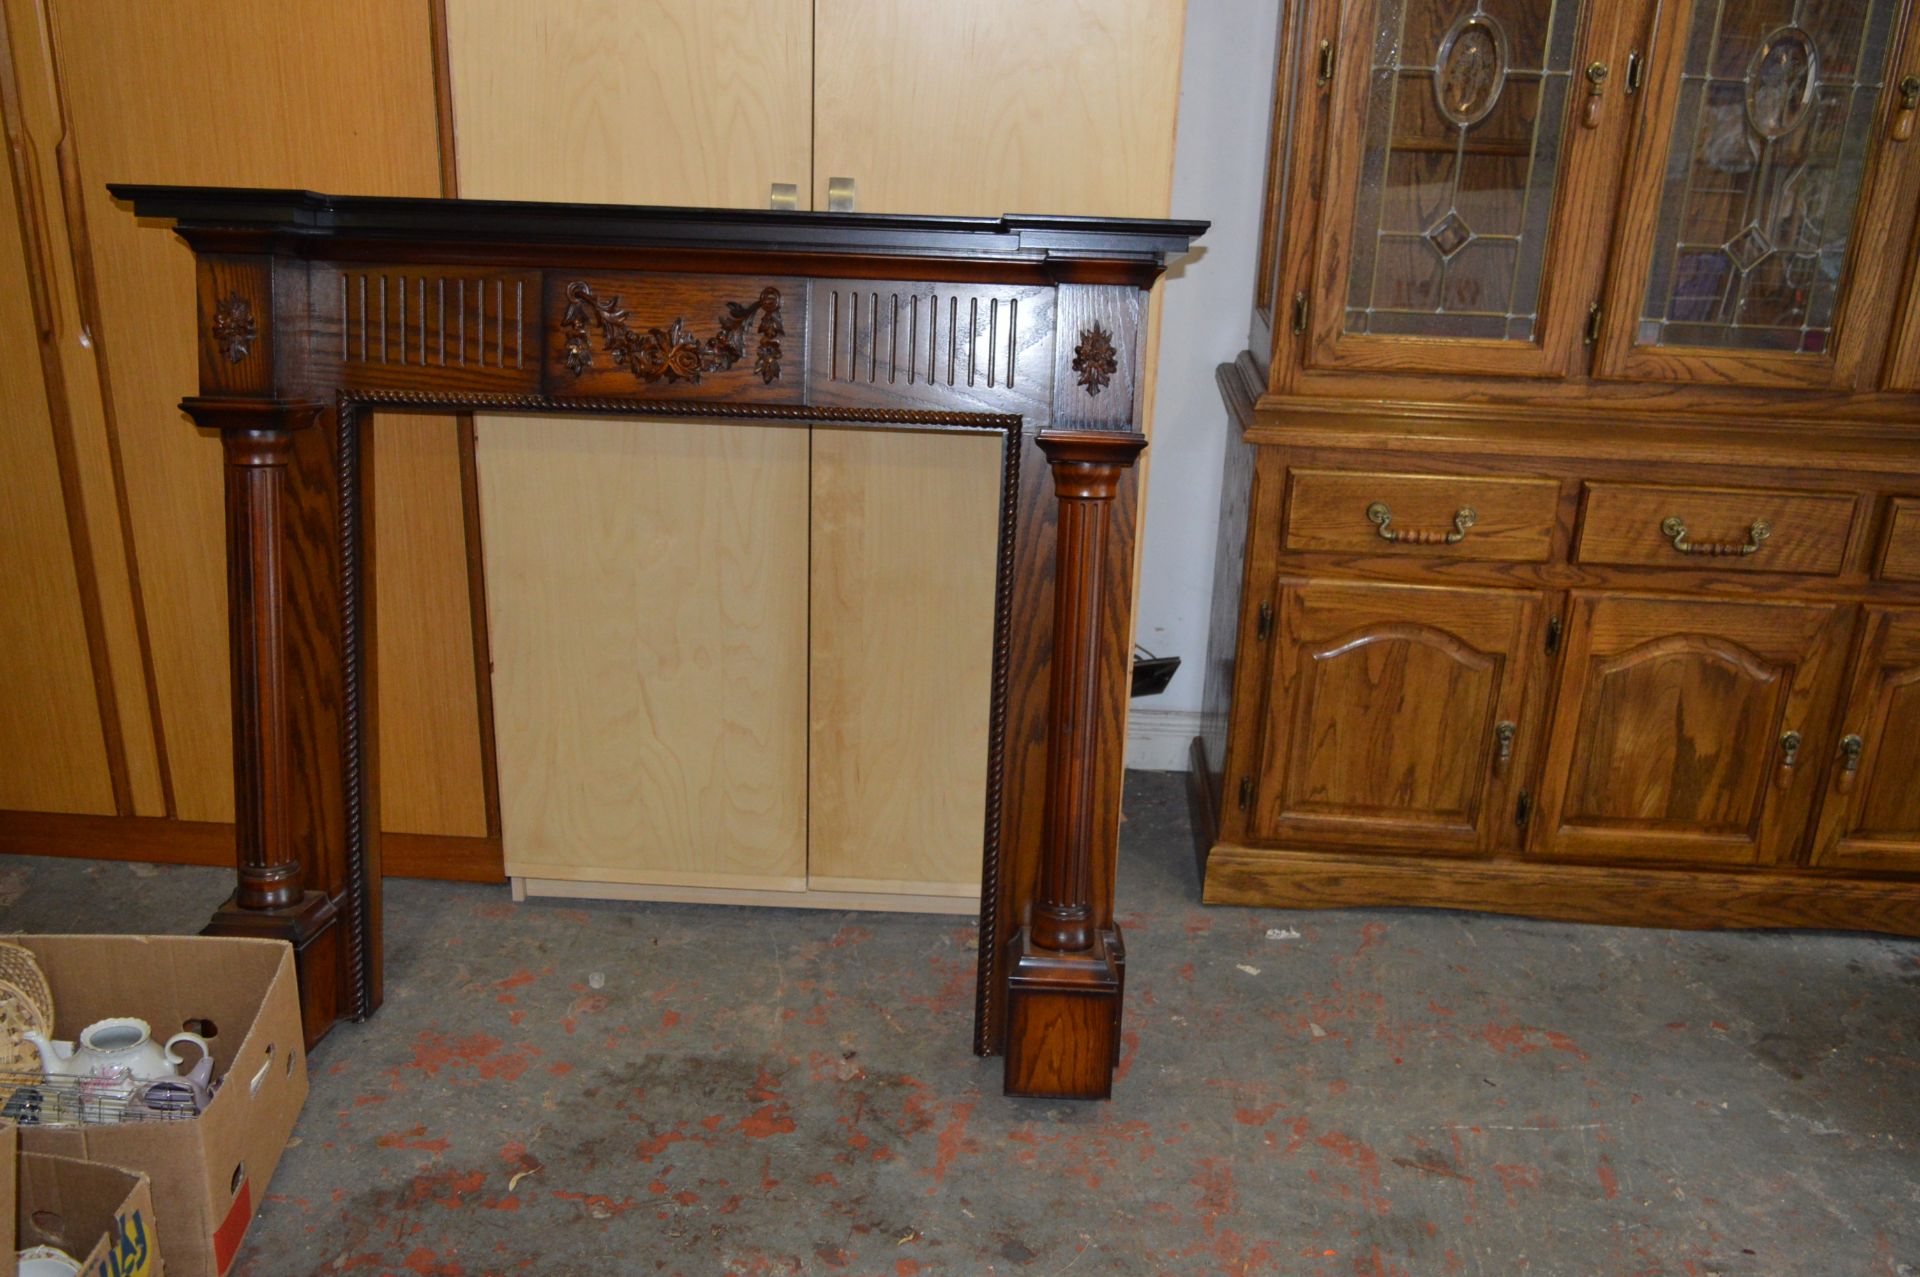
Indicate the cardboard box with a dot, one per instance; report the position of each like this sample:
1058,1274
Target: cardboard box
210,1172
101,1215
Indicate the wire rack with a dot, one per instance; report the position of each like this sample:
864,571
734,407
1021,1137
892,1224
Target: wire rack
33,1100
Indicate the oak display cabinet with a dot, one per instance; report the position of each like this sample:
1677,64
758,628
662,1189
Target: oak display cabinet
1570,553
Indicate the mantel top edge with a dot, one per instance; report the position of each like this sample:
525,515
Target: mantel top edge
319,216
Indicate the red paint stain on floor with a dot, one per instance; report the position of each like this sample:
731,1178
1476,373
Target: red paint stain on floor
412,1139
767,1120
1514,1177
1609,1182
1520,1039
599,1205
1256,1117
952,1142
429,1264
444,1188
1363,1161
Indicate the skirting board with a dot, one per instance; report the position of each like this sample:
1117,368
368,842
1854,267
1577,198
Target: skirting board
1159,740
865,901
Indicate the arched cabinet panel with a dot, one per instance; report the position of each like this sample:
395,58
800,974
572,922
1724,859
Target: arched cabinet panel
1690,730
1398,716
1870,818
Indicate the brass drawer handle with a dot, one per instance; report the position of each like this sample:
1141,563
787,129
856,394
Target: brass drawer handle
1789,755
1503,734
1463,518
1674,528
1851,748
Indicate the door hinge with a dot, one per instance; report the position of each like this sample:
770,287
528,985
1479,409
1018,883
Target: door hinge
1323,68
1299,312
1522,809
1553,635
1263,629
1636,71
1593,323
1246,792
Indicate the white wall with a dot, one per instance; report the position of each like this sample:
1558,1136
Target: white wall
1219,167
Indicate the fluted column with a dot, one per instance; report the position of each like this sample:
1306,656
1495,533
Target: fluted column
1064,974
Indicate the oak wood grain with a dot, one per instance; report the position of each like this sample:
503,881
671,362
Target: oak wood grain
1512,518
1627,524
1670,722
1384,724
1700,899
1900,556
1870,815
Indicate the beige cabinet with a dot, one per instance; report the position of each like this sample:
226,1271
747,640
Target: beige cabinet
755,666
755,662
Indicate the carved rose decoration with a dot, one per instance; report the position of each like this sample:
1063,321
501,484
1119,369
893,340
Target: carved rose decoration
1095,359
233,328
672,353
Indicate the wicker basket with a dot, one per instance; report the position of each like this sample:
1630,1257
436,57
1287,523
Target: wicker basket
26,1003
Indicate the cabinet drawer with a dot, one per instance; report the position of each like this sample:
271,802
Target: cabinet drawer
1469,517
1740,529
1900,561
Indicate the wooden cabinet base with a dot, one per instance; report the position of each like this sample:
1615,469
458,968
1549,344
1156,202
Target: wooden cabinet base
1063,1018
1685,898
312,927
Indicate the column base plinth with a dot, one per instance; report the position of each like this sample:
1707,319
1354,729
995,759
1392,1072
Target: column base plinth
1063,1018
315,928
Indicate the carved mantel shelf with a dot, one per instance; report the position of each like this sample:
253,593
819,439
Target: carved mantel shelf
316,310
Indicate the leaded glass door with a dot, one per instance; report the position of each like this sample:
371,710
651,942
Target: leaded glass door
1778,194
1467,165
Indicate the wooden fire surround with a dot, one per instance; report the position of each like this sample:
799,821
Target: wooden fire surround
316,312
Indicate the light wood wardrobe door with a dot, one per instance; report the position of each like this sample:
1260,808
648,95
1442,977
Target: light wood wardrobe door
51,739
331,94
1001,106
647,581
998,106
904,534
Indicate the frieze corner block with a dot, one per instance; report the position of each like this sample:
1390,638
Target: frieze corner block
234,328
1095,359
672,353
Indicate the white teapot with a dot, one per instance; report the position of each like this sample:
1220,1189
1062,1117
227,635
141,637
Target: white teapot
121,1047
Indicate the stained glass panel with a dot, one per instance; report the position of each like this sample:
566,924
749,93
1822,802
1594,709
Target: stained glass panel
1764,172
1466,102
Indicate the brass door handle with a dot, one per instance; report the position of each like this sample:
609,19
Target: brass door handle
1789,754
1851,747
1463,518
1503,734
1909,107
1674,528
1596,87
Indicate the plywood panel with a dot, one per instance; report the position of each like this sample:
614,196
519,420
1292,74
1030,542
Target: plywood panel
631,101
648,598
50,733
331,94
904,533
430,748
1002,106
662,737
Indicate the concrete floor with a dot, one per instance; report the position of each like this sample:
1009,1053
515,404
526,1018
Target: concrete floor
556,1088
